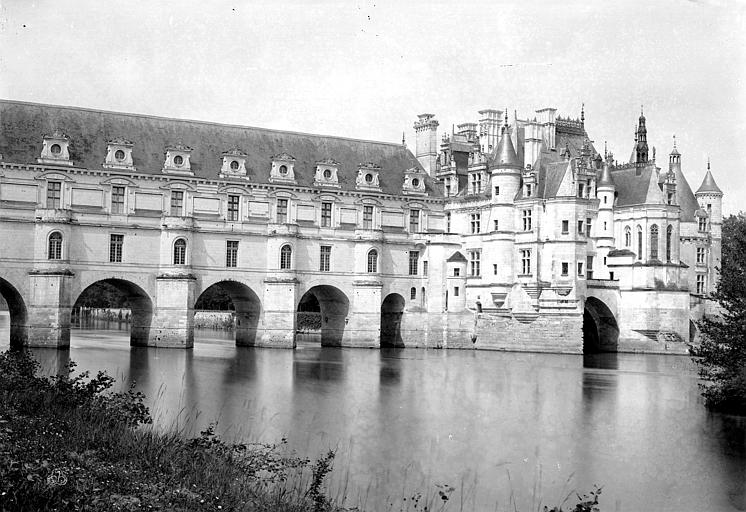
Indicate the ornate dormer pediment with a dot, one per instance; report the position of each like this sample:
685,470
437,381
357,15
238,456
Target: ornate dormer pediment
178,159
414,182
119,154
326,173
55,149
368,176
283,168
234,164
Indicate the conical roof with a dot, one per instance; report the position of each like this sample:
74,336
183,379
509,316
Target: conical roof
605,180
708,185
505,155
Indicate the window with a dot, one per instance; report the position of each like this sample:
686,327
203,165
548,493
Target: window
456,272
425,268
455,291
581,190
475,267
528,190
119,155
565,268
670,198
325,257
639,243
326,215
476,222
117,199
447,187
55,246
669,239
702,224
497,191
494,268
627,237
589,267
700,284
116,242
565,227
367,217
180,247
413,293
177,202
372,261
282,211
414,259
526,216
286,257
54,194
580,268
587,227
700,255
497,225
234,165
448,222
476,182
580,227
56,149
526,262
178,160
414,221
605,198
605,226
283,169
231,253
654,242
233,208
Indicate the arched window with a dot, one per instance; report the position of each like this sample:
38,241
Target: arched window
413,293
55,246
669,239
286,257
639,242
180,247
627,237
654,242
372,261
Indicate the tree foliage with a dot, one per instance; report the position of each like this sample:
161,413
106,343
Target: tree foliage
721,356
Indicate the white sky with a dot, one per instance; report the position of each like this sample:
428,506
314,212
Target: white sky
365,69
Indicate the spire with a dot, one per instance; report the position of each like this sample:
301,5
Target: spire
605,180
403,140
675,151
708,185
505,155
582,114
640,152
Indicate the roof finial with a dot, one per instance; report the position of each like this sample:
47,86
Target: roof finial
403,140
674,141
641,112
708,162
582,113
606,152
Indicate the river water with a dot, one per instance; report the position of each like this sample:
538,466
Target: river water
491,424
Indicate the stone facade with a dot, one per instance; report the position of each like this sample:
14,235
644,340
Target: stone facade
512,235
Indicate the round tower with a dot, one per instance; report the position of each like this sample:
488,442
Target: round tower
606,190
710,198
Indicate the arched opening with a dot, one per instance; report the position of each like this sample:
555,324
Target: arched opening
392,310
180,247
118,301
14,321
230,304
600,329
322,316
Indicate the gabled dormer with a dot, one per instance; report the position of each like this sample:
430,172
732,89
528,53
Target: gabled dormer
234,164
55,150
119,155
327,173
414,182
283,168
178,159
367,177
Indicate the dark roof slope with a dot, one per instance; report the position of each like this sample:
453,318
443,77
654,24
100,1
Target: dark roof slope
633,189
23,124
708,185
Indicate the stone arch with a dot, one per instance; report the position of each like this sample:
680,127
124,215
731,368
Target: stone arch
331,306
392,311
247,306
18,314
600,328
140,305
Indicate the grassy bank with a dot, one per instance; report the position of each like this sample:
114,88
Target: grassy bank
69,443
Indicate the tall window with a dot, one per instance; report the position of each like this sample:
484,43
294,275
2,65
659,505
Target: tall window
180,247
233,202
581,190
372,261
425,268
414,260
580,227
565,268
700,284
55,246
413,293
231,253
627,237
116,243
639,243
589,267
587,227
580,268
367,217
117,199
526,216
414,221
282,211
476,182
476,222
177,202
702,224
654,242
448,222
700,255
565,227
669,240
326,215
526,262
475,267
325,258
286,257
447,187
54,194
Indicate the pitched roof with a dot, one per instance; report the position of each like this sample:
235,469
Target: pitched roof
605,179
685,197
456,256
505,155
22,125
633,188
708,185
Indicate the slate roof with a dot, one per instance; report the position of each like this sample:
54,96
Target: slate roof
504,155
708,185
456,256
23,124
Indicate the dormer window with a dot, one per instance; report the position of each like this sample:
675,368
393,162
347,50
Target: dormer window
55,149
119,154
414,182
283,168
178,159
234,164
326,173
367,176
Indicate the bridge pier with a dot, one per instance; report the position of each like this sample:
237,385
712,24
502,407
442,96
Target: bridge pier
172,324
48,315
278,317
363,327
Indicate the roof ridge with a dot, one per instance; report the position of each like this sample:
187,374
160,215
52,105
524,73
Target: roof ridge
198,121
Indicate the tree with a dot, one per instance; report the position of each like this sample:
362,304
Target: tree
721,356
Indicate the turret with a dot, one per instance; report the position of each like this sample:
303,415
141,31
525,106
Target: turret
505,170
640,151
710,197
426,130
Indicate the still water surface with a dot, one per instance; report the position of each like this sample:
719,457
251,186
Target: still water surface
494,423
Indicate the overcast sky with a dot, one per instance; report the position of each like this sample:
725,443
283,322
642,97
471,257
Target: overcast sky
365,69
